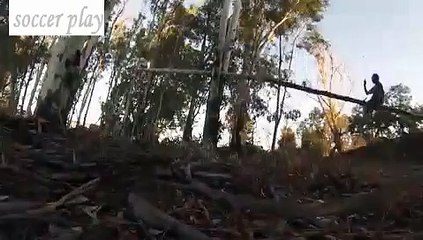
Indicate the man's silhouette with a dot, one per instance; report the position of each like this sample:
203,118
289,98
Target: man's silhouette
377,95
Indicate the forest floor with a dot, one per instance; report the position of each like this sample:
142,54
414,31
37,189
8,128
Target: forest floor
85,187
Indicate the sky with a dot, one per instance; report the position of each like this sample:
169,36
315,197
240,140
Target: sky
366,36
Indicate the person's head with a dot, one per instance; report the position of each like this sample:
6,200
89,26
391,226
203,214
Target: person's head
375,78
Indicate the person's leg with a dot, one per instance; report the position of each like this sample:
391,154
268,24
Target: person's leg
366,108
369,107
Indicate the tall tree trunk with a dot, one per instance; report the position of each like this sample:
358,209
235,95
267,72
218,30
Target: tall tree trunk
89,103
73,109
128,105
81,88
21,84
40,71
12,97
34,89
280,104
84,101
93,78
147,80
31,73
252,53
187,134
112,83
277,115
212,124
60,86
35,54
230,38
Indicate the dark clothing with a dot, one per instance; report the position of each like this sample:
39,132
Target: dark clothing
371,105
378,92
377,98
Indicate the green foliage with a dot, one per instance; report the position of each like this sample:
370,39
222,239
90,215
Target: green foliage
314,142
293,115
176,37
384,123
313,135
263,13
313,39
288,139
399,96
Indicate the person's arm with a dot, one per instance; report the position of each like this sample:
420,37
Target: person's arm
365,87
371,91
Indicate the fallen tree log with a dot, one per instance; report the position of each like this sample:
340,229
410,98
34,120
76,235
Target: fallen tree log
377,202
51,207
298,87
155,218
287,209
17,206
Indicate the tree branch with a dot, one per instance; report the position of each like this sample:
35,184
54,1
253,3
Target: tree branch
276,81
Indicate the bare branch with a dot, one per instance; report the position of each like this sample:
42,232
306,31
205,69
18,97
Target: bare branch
276,81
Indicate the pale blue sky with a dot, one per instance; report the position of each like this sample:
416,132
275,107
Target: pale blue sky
383,36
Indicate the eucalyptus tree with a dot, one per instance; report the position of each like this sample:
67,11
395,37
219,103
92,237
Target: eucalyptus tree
69,57
259,22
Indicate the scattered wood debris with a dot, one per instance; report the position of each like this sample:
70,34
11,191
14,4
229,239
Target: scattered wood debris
84,186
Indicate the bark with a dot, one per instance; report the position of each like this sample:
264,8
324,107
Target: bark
87,93
81,88
241,115
31,73
147,80
195,102
211,124
22,83
73,110
12,97
60,86
377,202
240,107
280,105
84,101
230,39
252,50
112,83
38,78
89,103
33,64
143,210
128,105
34,89
113,108
214,101
278,116
187,134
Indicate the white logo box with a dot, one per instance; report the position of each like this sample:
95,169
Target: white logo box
56,17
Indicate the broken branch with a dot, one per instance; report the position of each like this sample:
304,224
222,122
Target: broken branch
154,217
51,207
298,87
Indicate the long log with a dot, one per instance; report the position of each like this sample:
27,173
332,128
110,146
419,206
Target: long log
153,217
377,202
273,80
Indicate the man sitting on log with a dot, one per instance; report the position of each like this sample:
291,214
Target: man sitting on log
377,95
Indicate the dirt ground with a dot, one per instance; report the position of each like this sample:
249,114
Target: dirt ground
83,186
